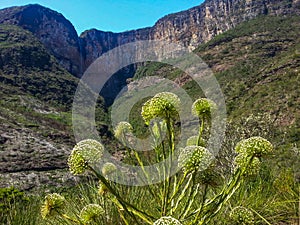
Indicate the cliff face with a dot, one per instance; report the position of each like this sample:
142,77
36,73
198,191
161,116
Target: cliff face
190,28
94,42
200,24
52,29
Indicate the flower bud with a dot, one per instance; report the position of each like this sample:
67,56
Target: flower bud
194,158
254,146
242,215
84,153
163,105
203,108
53,204
91,212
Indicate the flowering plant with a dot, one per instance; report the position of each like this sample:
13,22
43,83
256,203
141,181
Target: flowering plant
183,198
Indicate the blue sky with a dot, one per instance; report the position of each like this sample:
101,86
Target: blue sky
110,15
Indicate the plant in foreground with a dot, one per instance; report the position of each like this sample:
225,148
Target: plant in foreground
184,198
91,212
241,215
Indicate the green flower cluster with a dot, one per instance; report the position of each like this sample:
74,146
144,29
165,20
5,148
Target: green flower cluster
164,105
194,158
53,204
242,216
203,108
167,220
91,212
254,146
250,169
84,153
249,151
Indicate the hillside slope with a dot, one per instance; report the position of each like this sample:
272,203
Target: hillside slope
36,96
258,67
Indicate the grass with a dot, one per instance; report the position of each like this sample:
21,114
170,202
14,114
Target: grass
273,197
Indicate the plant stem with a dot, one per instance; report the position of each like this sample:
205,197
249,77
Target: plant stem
260,216
70,218
181,196
190,193
202,203
123,203
200,131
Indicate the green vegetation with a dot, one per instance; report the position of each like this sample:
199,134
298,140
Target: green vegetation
187,197
257,66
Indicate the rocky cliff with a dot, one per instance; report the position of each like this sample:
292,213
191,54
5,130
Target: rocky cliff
56,33
190,28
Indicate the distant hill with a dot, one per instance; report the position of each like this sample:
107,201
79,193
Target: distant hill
258,67
36,96
190,28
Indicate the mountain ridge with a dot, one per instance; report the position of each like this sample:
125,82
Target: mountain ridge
189,27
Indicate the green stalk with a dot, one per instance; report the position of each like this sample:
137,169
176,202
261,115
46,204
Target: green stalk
190,201
167,181
226,194
190,193
70,218
181,196
202,203
177,187
140,162
200,131
260,216
123,217
123,203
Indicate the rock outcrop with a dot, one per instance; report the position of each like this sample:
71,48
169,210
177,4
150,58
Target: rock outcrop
52,29
190,28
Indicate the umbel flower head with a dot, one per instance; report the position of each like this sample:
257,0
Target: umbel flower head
203,108
108,168
164,105
123,130
249,168
84,153
254,146
53,205
90,213
194,158
167,220
241,215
